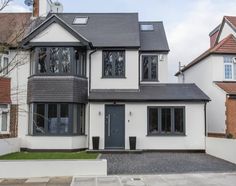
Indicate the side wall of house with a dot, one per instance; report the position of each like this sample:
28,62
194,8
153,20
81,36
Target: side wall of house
203,75
136,125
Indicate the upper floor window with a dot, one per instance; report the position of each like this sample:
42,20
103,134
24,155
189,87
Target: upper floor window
166,120
230,68
4,64
149,67
114,64
58,60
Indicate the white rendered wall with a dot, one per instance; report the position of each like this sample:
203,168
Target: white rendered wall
222,148
9,146
60,142
136,125
131,80
19,79
226,31
203,75
54,33
52,168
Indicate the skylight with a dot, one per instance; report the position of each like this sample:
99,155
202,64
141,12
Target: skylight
147,27
80,20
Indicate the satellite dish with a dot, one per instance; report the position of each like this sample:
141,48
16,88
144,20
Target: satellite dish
29,2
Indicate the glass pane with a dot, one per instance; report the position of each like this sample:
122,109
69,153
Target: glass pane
153,121
64,119
42,60
4,122
54,60
40,118
75,119
108,63
82,119
5,65
66,60
166,120
119,64
179,120
154,60
52,118
228,71
145,67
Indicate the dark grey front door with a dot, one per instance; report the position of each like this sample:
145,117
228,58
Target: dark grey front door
114,126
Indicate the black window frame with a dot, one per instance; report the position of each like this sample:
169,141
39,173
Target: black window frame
33,120
73,63
113,76
149,79
159,132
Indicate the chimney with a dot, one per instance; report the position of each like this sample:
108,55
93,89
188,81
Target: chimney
41,8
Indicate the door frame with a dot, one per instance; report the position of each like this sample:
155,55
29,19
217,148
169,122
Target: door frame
123,105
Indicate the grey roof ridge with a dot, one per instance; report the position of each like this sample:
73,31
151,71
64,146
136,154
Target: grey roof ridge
50,17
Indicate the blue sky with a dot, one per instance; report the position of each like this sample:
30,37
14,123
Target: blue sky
187,22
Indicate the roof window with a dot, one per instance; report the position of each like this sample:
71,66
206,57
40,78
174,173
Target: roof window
147,27
80,20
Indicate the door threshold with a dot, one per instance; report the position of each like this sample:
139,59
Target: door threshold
118,151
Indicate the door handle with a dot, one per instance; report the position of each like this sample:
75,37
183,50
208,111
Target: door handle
109,125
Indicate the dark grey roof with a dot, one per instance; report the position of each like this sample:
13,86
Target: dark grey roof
159,92
107,29
154,40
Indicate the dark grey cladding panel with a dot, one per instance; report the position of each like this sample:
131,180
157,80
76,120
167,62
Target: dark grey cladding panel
58,89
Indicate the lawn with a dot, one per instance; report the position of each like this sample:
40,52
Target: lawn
48,155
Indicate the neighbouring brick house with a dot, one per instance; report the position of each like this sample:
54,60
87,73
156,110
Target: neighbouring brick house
15,26
214,72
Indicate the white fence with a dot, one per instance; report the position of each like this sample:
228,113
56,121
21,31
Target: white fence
9,145
222,148
50,168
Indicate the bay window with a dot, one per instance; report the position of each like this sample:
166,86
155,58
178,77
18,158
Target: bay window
57,119
166,120
58,61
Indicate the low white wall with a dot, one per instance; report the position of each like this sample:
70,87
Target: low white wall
61,142
222,148
42,168
9,145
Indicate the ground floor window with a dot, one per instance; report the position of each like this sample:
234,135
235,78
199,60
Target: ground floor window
4,118
166,120
57,119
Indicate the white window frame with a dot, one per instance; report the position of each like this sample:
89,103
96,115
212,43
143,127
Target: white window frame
232,69
2,56
5,110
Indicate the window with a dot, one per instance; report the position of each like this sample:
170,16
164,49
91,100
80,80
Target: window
4,64
150,67
147,27
4,115
58,119
80,20
113,64
58,60
229,68
166,120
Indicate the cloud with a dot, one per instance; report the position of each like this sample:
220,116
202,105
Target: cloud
189,38
15,7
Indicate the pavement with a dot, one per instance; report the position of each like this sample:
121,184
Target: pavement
197,179
165,163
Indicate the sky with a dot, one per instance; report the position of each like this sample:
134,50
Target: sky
187,22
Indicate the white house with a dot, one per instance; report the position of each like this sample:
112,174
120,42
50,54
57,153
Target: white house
105,75
214,72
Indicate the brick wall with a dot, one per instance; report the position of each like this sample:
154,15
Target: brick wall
13,123
231,116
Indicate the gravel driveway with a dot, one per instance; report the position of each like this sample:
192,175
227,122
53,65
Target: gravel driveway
161,163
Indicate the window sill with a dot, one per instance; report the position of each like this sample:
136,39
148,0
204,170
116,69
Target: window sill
166,135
